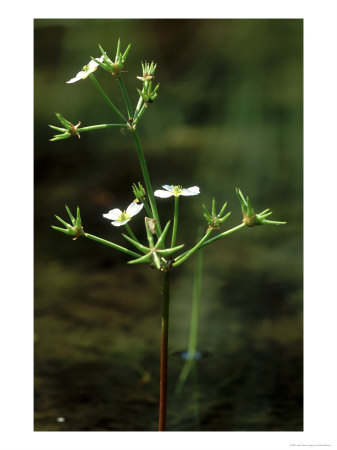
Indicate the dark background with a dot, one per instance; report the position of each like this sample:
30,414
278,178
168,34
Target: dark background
229,113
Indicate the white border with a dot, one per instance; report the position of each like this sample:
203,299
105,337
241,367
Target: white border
320,221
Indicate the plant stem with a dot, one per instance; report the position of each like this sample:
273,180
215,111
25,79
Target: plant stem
106,98
147,181
163,352
100,127
192,343
127,226
126,96
175,221
180,259
225,233
111,244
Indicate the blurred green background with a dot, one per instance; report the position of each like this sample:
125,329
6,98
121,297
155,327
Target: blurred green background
229,113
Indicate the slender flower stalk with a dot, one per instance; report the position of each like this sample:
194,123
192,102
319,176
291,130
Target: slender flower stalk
182,258
127,226
106,98
175,221
112,245
225,233
126,97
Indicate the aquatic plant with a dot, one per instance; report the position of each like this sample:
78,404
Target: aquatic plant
157,252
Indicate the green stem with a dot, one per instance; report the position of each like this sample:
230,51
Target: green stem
147,208
175,221
180,259
192,344
106,98
147,181
100,127
111,244
126,96
127,226
163,352
225,233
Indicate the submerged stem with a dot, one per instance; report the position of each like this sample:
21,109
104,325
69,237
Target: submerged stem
163,352
192,343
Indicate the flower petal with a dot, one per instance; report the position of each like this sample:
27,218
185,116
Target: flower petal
134,208
169,187
114,214
118,223
163,194
194,190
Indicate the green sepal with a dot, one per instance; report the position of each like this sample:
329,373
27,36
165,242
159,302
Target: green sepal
224,218
250,210
67,231
69,227
207,214
241,199
272,222
213,208
100,63
59,137
223,209
64,121
78,219
58,128
106,57
118,48
125,54
72,218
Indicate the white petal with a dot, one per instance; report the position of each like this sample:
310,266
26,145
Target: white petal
163,194
73,80
78,77
134,208
194,190
114,214
169,187
92,65
118,223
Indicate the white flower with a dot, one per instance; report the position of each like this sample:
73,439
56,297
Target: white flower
89,68
119,217
176,191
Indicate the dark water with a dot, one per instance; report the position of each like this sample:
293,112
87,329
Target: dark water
97,358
